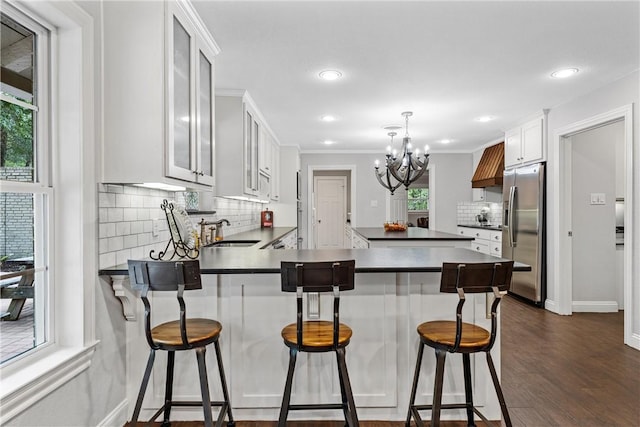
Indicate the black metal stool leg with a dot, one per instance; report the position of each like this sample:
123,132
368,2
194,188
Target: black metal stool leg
496,385
204,386
343,394
143,387
168,390
414,387
223,382
286,398
468,392
342,365
437,387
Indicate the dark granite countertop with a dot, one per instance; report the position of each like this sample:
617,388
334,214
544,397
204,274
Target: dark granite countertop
412,233
482,227
375,260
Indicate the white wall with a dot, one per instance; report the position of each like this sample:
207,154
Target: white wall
618,94
593,170
451,184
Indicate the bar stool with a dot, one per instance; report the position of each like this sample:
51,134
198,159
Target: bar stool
183,334
318,336
461,337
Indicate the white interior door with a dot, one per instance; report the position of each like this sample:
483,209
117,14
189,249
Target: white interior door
330,203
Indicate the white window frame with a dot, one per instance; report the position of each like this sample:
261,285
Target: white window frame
67,177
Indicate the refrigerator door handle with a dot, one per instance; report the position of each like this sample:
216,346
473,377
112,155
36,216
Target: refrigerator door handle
512,195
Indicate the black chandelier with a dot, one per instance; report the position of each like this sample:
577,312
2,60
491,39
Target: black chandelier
403,169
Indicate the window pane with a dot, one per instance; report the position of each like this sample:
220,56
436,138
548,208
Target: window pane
418,199
16,143
18,105
22,325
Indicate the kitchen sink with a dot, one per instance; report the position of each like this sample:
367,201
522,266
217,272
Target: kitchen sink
231,243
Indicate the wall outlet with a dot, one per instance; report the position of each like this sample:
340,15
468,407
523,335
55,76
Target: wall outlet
374,203
155,227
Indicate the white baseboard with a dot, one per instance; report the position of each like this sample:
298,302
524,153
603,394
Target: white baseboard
118,417
594,306
635,341
551,305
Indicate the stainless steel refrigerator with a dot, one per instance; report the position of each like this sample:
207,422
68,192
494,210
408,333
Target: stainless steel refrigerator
523,229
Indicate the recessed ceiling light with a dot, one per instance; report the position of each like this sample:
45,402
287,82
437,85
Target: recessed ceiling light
564,73
445,141
330,74
328,118
484,119
328,142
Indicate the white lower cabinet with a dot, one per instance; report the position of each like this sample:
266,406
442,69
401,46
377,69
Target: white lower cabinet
348,239
359,242
290,240
485,241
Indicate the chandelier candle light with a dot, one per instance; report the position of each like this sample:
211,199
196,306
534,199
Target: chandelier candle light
407,168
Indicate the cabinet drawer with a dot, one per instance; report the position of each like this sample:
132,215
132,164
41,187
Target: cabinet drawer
496,236
479,234
478,246
496,249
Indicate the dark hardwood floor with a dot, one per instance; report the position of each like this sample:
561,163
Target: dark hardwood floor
568,370
564,371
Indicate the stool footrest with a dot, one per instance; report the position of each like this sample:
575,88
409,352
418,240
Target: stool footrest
191,403
416,408
316,406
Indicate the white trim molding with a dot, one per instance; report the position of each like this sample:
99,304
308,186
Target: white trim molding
26,387
561,279
594,306
118,417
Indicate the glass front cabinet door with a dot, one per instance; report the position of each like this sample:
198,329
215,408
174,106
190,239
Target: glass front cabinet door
190,144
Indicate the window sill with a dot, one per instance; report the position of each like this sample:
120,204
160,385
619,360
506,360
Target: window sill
24,387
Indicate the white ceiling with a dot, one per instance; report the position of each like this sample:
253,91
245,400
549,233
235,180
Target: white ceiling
448,62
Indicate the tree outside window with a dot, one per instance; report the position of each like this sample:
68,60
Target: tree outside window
418,199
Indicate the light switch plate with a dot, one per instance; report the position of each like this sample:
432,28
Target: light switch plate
374,203
597,199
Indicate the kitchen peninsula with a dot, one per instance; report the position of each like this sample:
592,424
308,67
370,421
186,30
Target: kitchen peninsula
396,289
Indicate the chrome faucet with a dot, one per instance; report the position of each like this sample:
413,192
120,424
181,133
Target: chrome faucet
205,238
218,224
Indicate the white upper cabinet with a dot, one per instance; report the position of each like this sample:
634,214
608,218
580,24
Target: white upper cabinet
245,148
525,144
159,109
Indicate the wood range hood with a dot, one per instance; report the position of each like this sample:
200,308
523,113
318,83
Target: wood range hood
490,169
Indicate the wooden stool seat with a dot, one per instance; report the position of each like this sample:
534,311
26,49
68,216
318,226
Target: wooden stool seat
317,333
199,332
443,333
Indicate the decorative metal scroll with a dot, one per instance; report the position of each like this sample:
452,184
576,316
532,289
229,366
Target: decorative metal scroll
183,246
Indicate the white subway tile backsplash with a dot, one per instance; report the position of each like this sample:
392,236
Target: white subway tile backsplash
130,241
114,214
115,243
123,200
130,214
123,228
126,213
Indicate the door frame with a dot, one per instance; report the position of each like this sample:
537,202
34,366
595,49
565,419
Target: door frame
561,242
311,196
